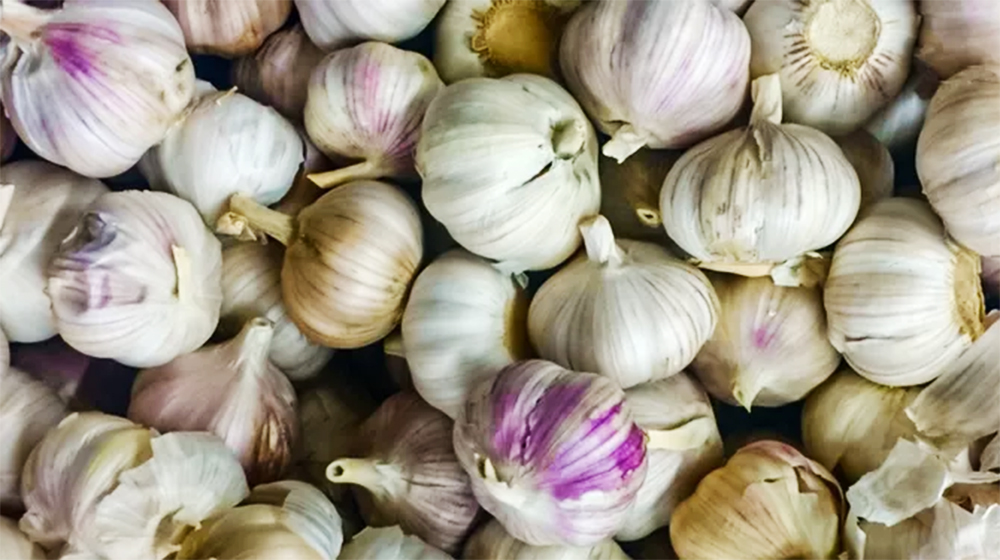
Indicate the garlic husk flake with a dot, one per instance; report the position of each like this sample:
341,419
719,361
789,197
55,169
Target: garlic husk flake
227,28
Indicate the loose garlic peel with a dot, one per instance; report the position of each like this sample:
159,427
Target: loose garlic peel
389,543
492,542
630,193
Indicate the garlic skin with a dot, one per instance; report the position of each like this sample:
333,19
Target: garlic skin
959,34
16,545
137,280
48,201
389,543
278,73
334,25
902,300
553,454
308,512
8,136
833,80
957,156
630,193
464,320
226,28
514,198
626,310
83,47
873,164
898,124
668,82
492,542
367,103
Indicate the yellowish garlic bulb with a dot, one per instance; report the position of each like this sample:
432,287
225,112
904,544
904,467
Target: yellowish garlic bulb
873,164
959,33
630,193
493,542
227,28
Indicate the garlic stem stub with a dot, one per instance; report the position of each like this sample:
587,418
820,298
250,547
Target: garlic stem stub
336,24
390,543
958,34
60,59
898,124
630,193
278,73
656,74
493,542
873,164
226,28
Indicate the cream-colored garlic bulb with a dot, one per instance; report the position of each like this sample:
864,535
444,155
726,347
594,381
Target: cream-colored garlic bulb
16,545
516,197
873,164
898,124
627,310
668,82
334,25
959,33
227,28
957,157
367,103
463,321
47,202
493,542
630,193
390,543
840,61
902,299
278,73
8,136
771,345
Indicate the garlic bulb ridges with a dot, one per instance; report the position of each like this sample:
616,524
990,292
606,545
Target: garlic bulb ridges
228,28
278,73
333,25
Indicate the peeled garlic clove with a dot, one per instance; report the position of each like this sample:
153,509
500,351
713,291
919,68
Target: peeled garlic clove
675,79
898,124
873,164
553,454
902,300
137,280
630,193
333,25
60,60
16,545
367,103
464,320
8,137
226,28
958,34
47,202
390,543
278,73
492,542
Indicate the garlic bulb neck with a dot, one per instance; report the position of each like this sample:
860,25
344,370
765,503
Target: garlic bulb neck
22,21
969,300
599,241
367,169
185,281
568,139
375,476
843,35
254,344
766,91
246,217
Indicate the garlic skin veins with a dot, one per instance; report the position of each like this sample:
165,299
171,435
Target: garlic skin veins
278,73
227,28
873,164
334,25
959,34
16,545
47,202
390,543
630,193
492,542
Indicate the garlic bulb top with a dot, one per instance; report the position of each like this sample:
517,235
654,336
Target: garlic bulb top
16,545
750,198
137,280
630,193
389,543
493,542
8,136
278,73
957,34
873,164
657,74
63,64
514,197
47,202
333,25
839,61
228,28
626,310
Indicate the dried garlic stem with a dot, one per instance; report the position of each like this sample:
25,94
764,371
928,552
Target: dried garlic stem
254,343
363,472
599,241
568,139
752,270
182,262
649,217
22,21
624,142
246,215
766,99
689,435
364,170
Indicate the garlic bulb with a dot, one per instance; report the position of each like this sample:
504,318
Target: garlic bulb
227,28
367,103
492,542
63,63
251,287
770,347
333,25
957,34
626,310
768,501
668,82
839,61
957,157
16,545
389,543
515,198
278,73
331,299
630,193
684,445
902,300
873,164
553,454
227,144
410,473
760,195
137,280
463,321
898,124
8,137
47,202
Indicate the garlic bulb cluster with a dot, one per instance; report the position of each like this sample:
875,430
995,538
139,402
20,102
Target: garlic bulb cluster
390,543
898,124
47,202
227,28
902,300
626,310
137,280
957,34
8,137
61,64
668,82
957,157
630,193
463,321
492,542
278,73
839,61
873,164
333,25
771,345
515,198
553,454
367,103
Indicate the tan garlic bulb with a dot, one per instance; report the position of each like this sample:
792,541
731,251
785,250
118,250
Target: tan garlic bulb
770,347
957,157
278,73
839,61
335,24
493,542
227,28
902,299
755,197
630,193
959,33
330,298
873,164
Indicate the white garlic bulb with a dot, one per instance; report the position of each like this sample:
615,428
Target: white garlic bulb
16,545
873,164
278,73
137,280
62,65
8,136
902,300
630,193
390,543
656,74
959,33
840,61
754,197
898,124
336,24
627,310
367,103
227,28
957,157
515,197
464,320
493,542
47,203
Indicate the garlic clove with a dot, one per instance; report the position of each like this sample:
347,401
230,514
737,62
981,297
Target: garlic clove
308,513
873,164
227,28
250,532
956,35
492,542
278,73
390,543
630,193
334,25
16,545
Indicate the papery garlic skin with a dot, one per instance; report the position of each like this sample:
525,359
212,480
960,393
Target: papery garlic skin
492,542
898,124
957,157
227,28
48,201
957,34
16,545
630,193
278,73
334,25
61,58
656,74
945,530
389,543
873,164
514,198
8,136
